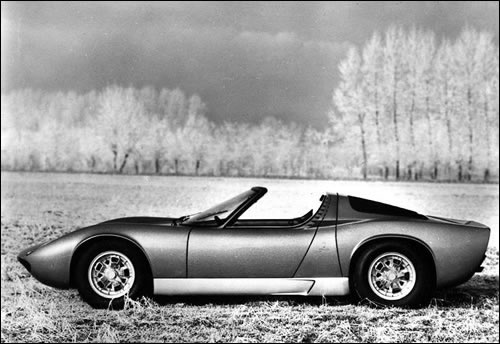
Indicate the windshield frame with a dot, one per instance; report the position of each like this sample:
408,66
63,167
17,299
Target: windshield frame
236,206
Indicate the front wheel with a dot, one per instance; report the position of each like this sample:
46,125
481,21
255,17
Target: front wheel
107,273
392,274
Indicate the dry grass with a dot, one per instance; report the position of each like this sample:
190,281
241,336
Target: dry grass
37,207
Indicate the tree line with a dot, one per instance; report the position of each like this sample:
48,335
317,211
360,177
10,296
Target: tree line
409,106
420,107
130,130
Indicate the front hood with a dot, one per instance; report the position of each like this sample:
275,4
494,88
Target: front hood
142,220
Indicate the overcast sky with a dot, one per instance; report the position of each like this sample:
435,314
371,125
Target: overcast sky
246,60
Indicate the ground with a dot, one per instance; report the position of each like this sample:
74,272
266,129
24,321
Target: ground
41,206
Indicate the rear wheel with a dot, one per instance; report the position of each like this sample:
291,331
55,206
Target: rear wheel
109,272
392,274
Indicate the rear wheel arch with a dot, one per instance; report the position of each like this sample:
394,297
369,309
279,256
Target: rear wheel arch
421,264
114,238
412,242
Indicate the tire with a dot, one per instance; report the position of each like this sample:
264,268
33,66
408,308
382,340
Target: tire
392,273
110,271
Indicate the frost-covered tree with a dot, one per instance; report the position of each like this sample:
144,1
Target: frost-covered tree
394,83
446,93
372,70
425,107
121,123
426,54
349,98
196,132
468,59
487,57
434,106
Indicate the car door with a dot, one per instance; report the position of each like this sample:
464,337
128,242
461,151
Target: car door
247,252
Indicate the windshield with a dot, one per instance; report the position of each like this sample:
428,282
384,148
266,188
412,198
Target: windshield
222,210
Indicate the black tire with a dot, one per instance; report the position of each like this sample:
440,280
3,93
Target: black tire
141,285
364,287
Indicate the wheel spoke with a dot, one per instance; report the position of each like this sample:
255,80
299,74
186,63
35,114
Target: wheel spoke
111,274
122,270
392,276
120,281
403,272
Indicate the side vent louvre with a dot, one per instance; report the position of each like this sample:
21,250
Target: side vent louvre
320,214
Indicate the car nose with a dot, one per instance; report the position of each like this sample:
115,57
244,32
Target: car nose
23,256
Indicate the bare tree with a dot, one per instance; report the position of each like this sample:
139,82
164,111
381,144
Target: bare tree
414,76
121,123
196,131
466,51
488,69
372,69
426,53
349,98
446,94
393,82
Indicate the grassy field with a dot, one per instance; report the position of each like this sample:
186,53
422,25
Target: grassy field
37,207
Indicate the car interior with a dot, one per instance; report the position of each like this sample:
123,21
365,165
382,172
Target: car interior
274,222
294,223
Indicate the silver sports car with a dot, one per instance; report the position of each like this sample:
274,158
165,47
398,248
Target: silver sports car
374,251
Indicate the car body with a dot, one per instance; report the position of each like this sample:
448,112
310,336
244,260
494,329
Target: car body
329,252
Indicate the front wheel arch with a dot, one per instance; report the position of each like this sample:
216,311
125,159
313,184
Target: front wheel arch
115,238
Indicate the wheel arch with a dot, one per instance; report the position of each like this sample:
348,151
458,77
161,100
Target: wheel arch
83,245
416,243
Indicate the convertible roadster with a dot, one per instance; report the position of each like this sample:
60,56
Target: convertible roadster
373,251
